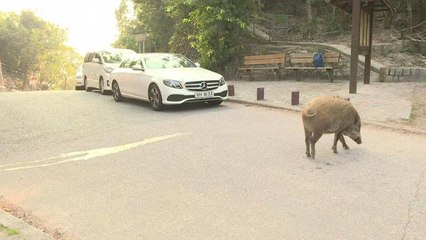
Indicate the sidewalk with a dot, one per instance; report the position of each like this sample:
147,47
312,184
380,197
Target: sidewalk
378,103
26,231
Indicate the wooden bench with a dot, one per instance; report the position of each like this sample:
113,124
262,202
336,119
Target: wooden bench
270,62
304,61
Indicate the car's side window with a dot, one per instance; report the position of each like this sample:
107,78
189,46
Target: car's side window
139,63
136,61
97,56
88,57
128,63
133,62
124,64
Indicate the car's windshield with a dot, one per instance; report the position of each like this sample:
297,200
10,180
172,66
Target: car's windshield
112,57
167,61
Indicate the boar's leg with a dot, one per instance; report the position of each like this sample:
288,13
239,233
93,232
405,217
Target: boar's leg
314,140
342,140
308,135
337,136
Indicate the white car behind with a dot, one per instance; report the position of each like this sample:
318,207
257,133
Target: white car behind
98,66
166,79
79,83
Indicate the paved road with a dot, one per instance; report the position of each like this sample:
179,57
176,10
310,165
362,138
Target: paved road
104,170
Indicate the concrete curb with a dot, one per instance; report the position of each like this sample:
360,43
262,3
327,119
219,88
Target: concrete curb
26,231
404,129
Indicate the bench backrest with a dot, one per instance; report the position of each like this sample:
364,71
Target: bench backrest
264,59
307,58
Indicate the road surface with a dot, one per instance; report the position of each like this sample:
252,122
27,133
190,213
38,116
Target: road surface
97,169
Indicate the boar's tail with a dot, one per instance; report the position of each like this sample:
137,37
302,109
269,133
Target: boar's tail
309,114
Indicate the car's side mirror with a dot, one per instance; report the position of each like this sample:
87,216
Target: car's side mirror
96,60
197,64
137,67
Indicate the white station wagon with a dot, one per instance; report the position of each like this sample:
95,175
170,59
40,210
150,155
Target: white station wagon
166,79
98,66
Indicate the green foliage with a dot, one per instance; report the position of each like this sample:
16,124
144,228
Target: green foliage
9,231
213,28
281,18
152,15
209,30
128,26
213,31
34,49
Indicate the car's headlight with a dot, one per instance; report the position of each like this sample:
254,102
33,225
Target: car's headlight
222,81
173,84
109,69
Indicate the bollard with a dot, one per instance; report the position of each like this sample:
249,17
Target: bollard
260,94
231,91
295,98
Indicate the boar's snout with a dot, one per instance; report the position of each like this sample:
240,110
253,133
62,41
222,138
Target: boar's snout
358,140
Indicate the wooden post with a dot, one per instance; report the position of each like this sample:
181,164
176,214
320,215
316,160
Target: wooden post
367,66
260,94
295,98
356,17
231,91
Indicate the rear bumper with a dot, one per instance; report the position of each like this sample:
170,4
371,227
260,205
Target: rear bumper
79,82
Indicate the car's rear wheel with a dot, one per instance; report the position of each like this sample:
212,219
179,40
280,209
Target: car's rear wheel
155,98
102,86
116,93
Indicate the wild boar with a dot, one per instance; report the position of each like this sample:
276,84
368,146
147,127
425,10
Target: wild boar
330,114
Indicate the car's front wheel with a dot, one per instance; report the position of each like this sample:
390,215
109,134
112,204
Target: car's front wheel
102,86
88,89
116,93
155,98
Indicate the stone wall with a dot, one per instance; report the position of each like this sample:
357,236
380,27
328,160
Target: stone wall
402,74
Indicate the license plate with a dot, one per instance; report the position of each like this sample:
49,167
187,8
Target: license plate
204,94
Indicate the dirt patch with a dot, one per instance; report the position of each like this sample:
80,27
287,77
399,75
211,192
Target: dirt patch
3,234
418,113
34,221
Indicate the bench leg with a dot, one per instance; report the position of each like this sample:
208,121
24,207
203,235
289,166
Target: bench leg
297,75
251,75
278,73
330,74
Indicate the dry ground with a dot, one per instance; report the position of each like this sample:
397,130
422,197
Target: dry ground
32,220
418,114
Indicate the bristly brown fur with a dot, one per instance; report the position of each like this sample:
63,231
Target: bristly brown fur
330,114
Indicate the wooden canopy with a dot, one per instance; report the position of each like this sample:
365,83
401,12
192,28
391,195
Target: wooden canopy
375,5
362,12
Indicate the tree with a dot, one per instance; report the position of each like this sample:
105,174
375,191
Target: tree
32,48
213,27
128,26
155,21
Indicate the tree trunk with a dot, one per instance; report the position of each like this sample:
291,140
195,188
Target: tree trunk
410,15
1,79
309,12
